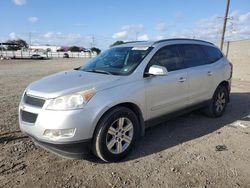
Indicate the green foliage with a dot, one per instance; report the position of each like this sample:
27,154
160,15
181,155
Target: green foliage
17,44
97,50
74,49
60,50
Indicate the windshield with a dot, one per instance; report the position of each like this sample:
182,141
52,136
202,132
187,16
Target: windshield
117,61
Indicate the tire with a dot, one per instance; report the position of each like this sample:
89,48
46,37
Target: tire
115,134
218,104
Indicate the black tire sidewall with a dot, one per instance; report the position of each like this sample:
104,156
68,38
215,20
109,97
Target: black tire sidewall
103,127
219,90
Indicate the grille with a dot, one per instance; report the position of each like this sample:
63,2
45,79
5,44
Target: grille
28,117
33,101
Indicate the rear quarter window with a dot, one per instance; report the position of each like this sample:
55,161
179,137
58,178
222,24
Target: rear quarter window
212,53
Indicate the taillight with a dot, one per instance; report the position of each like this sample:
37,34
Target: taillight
231,71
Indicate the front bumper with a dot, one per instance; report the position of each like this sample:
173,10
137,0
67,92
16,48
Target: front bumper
34,120
72,150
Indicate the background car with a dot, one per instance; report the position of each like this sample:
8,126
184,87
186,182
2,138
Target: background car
65,55
37,56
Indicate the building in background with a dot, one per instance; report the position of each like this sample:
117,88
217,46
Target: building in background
46,48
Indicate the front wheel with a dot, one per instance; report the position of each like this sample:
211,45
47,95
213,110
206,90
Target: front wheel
218,103
115,134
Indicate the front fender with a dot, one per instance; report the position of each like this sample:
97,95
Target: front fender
106,99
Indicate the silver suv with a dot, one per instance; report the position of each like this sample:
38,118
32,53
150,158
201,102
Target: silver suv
106,104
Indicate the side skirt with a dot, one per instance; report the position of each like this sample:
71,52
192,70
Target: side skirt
172,115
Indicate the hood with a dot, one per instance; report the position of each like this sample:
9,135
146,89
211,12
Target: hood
70,81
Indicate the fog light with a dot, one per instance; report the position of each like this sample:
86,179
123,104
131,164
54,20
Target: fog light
59,133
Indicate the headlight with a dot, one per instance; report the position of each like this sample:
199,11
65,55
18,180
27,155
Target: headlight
72,101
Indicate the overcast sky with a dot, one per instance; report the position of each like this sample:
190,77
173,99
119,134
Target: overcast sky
79,22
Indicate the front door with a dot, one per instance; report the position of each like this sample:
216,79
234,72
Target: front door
165,94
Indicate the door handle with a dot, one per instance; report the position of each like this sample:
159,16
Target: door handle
209,73
182,79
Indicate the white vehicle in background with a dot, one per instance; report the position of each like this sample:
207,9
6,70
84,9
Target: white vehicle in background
38,56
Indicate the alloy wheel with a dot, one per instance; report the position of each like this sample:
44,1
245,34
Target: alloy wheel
220,102
119,135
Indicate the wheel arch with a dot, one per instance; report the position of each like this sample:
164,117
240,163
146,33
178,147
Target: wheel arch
132,106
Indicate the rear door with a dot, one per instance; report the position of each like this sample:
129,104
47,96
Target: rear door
218,63
165,94
200,73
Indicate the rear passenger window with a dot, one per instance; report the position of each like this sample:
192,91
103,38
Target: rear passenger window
213,54
193,55
168,57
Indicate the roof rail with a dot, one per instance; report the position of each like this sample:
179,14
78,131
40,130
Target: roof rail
135,41
166,40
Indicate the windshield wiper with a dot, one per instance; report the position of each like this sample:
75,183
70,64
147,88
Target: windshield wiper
99,71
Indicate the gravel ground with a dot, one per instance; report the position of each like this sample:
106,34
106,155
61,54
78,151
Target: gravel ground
189,151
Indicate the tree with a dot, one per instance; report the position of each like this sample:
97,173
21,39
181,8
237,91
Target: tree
60,50
94,49
17,44
74,49
117,43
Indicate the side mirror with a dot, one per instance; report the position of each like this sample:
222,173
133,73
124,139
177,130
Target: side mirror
157,70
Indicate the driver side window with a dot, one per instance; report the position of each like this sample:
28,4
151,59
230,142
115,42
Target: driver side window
168,57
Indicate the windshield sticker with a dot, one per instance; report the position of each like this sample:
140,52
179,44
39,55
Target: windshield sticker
140,48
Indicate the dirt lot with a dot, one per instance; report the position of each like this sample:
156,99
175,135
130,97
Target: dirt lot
189,151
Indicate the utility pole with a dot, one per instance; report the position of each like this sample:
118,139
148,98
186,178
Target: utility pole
93,41
136,35
29,39
224,25
29,42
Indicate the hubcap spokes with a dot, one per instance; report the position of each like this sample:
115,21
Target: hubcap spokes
120,135
220,102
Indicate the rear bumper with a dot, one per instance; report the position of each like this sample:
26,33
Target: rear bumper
71,150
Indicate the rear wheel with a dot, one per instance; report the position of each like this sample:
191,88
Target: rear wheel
115,134
218,103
